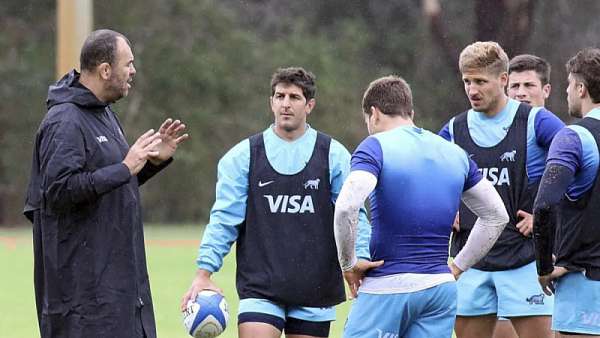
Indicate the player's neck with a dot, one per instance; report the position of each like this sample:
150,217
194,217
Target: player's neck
290,135
587,106
498,107
389,123
87,80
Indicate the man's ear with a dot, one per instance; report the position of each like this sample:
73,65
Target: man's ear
311,105
376,113
504,79
104,70
582,91
546,89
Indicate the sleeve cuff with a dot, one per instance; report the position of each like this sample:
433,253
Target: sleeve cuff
205,266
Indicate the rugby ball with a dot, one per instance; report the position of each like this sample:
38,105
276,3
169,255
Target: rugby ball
207,315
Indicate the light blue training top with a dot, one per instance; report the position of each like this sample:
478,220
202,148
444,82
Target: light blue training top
287,158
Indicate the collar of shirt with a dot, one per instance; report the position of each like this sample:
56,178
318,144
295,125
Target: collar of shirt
594,113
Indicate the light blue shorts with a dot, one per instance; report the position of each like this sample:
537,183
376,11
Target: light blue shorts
426,313
577,304
508,293
311,314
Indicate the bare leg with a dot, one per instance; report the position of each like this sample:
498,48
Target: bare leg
475,327
258,330
533,326
300,336
504,329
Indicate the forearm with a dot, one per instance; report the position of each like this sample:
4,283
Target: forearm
355,190
485,202
553,186
216,243
151,169
67,188
345,226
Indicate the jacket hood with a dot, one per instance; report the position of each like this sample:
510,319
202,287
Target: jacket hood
69,90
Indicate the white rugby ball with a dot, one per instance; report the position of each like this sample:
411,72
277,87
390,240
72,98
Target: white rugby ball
207,315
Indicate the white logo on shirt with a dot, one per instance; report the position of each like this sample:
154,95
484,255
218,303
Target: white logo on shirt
498,176
287,204
382,334
312,184
101,139
508,156
263,184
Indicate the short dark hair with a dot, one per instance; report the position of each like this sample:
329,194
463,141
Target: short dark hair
99,47
390,94
525,62
585,66
297,76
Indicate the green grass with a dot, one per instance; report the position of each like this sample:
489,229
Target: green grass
171,266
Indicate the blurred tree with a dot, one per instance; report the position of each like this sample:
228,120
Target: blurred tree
509,22
209,63
26,66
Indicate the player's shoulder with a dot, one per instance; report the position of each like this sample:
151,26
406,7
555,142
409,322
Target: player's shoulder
336,146
544,118
239,152
575,132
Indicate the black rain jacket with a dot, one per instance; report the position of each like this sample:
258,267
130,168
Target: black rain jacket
90,270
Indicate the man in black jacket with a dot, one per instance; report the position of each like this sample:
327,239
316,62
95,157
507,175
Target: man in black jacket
90,269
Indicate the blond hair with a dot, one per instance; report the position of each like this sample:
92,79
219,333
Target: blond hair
487,56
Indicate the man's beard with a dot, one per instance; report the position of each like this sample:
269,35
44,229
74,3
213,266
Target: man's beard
115,90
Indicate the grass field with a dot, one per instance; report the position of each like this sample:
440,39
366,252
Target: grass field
171,253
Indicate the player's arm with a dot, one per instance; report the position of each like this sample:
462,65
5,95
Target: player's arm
227,213
339,164
356,189
554,185
565,159
485,202
366,165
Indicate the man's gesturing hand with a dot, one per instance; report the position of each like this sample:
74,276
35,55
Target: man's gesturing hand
139,152
171,136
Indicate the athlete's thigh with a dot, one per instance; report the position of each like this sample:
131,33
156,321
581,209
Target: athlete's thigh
476,295
260,318
475,326
258,330
436,318
519,293
374,316
504,329
577,305
533,326
308,322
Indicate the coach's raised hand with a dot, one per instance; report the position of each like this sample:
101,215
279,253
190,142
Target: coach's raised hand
143,148
171,136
